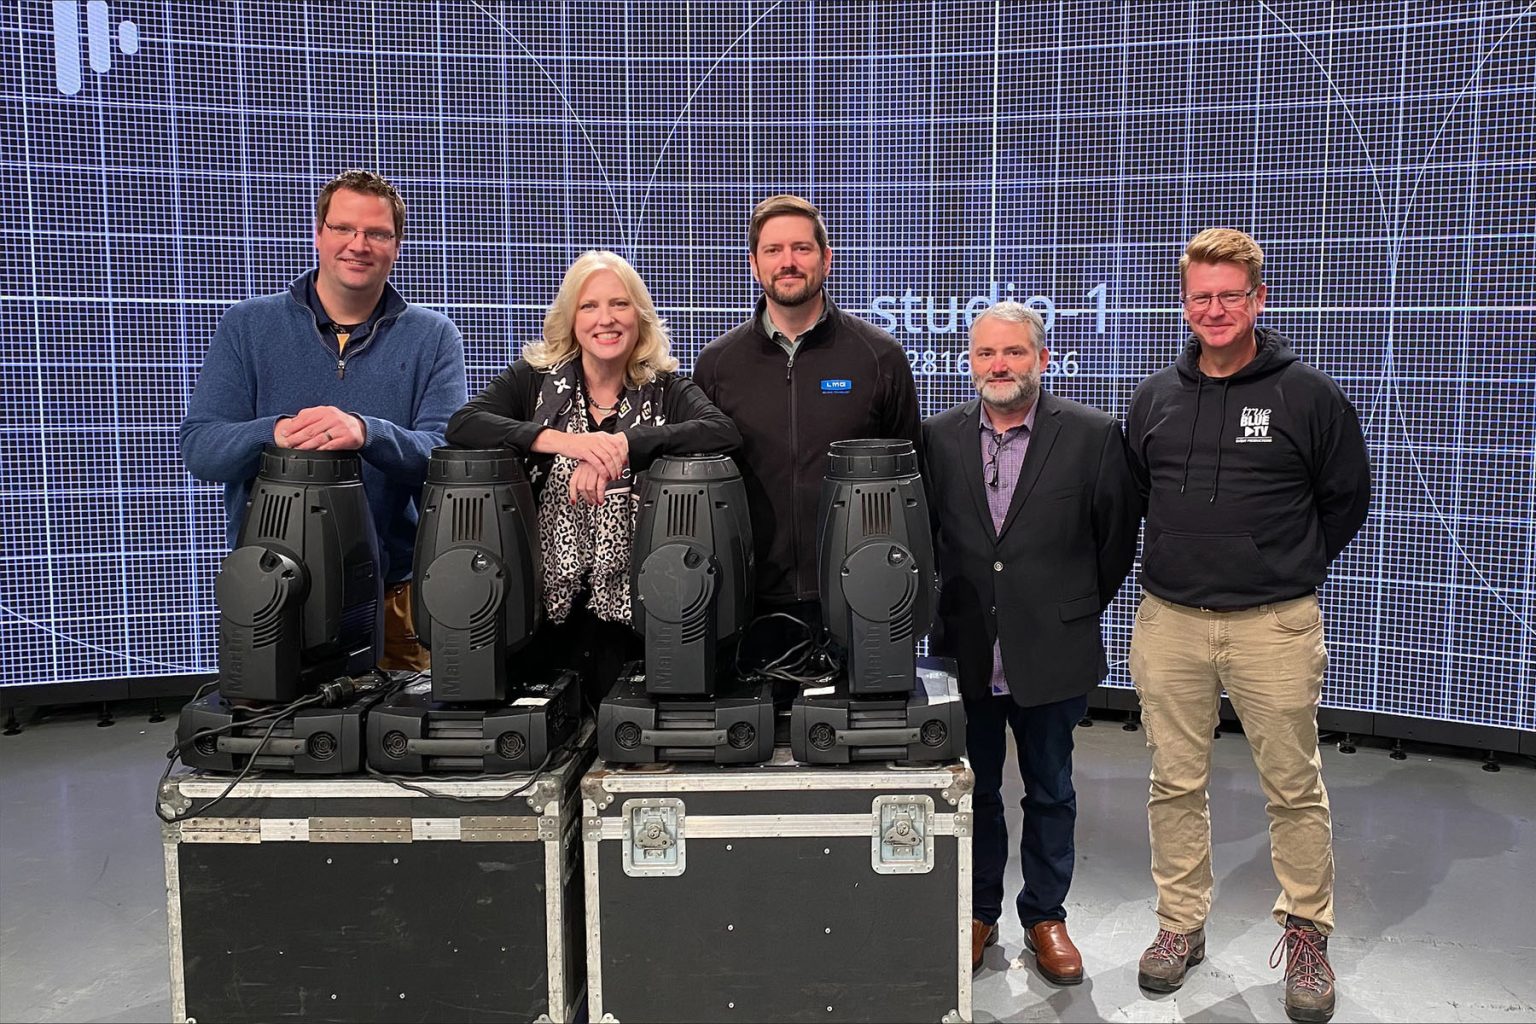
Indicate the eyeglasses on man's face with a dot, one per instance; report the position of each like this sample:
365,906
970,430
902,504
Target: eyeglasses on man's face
346,232
1228,300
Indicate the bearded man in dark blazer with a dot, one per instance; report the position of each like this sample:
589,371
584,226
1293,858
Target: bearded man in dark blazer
1035,519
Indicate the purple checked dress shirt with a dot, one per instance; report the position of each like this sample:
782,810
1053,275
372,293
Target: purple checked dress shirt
1002,457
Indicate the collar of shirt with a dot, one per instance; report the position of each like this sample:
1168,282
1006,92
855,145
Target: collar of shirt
324,320
783,340
1028,426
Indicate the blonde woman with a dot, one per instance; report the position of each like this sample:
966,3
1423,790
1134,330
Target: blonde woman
591,403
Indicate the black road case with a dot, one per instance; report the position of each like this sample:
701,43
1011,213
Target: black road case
354,899
778,892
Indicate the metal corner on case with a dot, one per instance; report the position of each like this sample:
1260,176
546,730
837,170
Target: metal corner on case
172,801
547,791
592,786
964,782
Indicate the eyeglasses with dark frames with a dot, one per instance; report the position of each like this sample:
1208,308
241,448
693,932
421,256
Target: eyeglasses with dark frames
348,232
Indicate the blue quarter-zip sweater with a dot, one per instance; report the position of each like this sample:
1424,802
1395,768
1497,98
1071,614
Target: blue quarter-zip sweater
269,359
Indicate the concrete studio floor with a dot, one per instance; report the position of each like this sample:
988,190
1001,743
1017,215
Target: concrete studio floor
1436,892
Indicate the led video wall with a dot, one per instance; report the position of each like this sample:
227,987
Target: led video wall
160,162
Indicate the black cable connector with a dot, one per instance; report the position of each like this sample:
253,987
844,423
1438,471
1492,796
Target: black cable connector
338,691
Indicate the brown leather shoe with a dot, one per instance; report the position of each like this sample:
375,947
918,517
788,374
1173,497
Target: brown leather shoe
1055,955
982,936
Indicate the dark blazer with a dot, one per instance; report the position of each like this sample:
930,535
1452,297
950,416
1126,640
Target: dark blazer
1064,549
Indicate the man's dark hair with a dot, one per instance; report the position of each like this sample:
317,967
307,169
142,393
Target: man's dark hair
369,184
781,206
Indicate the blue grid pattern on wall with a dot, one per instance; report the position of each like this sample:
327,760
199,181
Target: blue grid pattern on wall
160,162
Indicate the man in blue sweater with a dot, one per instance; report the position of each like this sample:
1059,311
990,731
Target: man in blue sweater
338,362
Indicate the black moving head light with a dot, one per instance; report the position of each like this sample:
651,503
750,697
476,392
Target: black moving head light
693,571
477,597
878,585
300,597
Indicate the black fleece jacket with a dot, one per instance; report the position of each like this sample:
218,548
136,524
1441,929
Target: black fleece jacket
848,380
1254,483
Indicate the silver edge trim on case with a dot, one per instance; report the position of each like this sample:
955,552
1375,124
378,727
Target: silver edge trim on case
220,830
593,914
544,825
503,828
281,829
554,928
296,789
436,828
620,781
570,861
173,921
963,952
963,845
730,826
470,828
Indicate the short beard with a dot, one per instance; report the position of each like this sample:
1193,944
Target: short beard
1026,388
808,290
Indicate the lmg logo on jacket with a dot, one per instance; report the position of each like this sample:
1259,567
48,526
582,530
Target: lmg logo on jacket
1255,426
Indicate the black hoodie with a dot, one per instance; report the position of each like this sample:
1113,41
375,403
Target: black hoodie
1254,482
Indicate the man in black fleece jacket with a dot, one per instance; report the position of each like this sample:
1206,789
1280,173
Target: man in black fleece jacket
1256,477
797,376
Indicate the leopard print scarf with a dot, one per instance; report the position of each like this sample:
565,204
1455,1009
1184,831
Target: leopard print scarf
587,547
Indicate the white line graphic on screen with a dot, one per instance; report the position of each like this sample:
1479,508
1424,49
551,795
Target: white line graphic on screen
1471,81
645,197
1409,446
1397,230
1379,396
98,35
48,630
602,170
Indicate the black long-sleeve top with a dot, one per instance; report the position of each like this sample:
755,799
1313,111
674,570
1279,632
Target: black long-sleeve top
501,416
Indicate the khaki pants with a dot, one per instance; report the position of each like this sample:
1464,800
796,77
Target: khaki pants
1270,660
401,648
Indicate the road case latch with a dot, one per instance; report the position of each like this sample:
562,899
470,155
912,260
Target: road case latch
902,834
653,836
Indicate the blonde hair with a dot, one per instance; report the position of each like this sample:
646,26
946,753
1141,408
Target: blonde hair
1224,245
653,349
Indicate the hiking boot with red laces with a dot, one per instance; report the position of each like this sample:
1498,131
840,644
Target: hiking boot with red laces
1309,994
1163,965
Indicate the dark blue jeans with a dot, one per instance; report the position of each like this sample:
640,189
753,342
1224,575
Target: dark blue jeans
1046,850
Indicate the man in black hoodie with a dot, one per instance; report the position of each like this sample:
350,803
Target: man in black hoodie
1256,477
